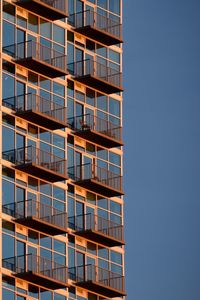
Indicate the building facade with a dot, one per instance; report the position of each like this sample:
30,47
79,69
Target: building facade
62,232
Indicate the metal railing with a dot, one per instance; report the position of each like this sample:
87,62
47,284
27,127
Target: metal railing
35,102
96,20
37,51
37,265
56,4
32,155
89,67
91,171
99,275
38,210
99,224
91,122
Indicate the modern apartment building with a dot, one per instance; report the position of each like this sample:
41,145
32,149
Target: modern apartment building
62,233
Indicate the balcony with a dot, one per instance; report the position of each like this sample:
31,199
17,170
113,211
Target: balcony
38,110
97,76
38,58
38,163
96,179
50,9
37,215
98,229
97,27
39,270
97,130
98,280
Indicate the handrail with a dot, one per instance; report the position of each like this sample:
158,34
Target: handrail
57,4
31,154
38,265
99,275
96,20
91,171
93,68
35,50
99,224
91,122
38,210
40,104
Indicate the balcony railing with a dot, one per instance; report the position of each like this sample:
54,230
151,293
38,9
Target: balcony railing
97,179
97,75
97,27
40,270
38,110
37,215
39,58
50,9
102,281
97,130
98,229
38,162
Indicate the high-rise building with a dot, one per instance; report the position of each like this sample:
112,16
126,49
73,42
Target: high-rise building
62,233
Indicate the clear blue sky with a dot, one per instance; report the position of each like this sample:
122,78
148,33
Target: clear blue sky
162,152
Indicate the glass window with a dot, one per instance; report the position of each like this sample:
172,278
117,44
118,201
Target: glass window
45,241
8,173
58,193
91,248
8,120
115,158
8,67
59,246
8,87
90,97
33,23
59,297
115,56
45,188
9,12
58,34
114,6
45,295
8,295
8,246
8,282
33,291
60,259
114,107
103,263
115,207
33,78
8,37
116,269
102,51
33,236
8,190
59,89
102,3
58,141
32,130
45,28
116,257
102,102
21,21
103,252
45,135
102,153
102,202
8,227
33,183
